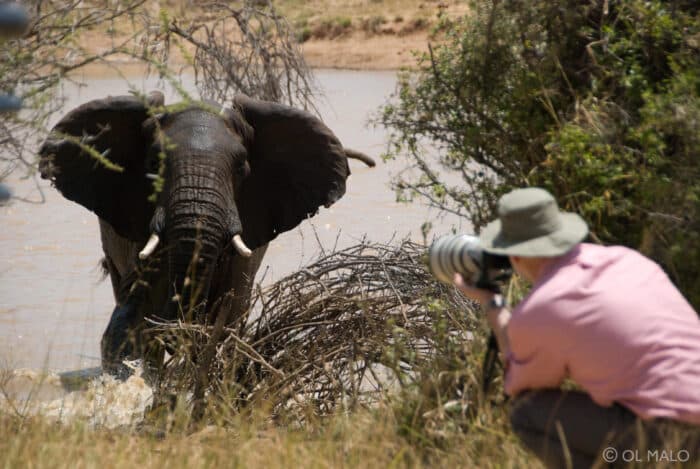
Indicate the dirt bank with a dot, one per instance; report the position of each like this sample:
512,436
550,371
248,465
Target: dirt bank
370,35
358,51
348,34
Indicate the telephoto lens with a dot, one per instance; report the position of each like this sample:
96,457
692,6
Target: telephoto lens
456,254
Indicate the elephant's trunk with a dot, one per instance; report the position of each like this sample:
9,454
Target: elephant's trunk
189,275
197,229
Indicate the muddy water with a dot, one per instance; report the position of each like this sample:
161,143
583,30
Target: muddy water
53,306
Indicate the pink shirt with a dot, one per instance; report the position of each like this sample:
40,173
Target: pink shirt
610,319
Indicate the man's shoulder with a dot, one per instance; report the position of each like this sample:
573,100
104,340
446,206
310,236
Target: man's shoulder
564,279
589,255
592,270
597,258
599,250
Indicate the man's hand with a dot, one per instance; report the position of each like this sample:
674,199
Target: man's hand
477,294
497,318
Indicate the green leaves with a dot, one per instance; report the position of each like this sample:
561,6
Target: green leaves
599,102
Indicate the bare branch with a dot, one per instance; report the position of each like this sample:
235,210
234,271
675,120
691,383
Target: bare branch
336,332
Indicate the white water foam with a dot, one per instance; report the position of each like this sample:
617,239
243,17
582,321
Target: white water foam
100,400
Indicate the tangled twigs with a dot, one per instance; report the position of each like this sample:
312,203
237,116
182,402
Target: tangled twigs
244,47
338,332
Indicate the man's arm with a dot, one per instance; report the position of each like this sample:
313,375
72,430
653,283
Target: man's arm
496,317
539,358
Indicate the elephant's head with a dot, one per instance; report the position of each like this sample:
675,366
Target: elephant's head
244,173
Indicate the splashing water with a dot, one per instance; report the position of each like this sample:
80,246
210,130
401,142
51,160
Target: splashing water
99,399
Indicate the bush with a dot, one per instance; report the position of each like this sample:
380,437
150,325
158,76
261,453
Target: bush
598,102
373,24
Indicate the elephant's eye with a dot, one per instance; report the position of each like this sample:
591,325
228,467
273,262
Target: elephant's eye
242,169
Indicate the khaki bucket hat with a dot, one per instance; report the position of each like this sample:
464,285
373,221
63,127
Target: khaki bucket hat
530,224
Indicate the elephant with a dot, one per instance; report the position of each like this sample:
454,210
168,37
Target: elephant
230,180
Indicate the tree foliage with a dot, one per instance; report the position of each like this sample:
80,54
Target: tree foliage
596,101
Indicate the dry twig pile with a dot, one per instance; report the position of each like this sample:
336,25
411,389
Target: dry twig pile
337,332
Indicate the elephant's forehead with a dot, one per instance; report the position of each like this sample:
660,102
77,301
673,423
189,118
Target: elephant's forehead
200,130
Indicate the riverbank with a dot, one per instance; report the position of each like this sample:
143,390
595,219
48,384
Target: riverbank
332,34
359,52
369,35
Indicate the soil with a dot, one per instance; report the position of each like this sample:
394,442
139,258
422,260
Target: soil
360,51
367,34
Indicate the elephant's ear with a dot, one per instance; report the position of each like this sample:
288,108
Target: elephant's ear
296,163
116,187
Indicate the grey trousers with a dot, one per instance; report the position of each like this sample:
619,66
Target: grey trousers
567,429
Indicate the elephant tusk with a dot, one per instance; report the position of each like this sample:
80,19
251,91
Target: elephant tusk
241,247
150,246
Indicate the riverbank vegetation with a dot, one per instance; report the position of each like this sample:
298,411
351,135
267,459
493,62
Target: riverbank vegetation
599,102
320,20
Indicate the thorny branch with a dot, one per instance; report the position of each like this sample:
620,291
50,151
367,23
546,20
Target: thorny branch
33,67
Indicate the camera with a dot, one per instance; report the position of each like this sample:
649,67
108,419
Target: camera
463,254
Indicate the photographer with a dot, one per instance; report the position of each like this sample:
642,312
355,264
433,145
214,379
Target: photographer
606,317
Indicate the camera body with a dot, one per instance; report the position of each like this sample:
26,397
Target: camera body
463,254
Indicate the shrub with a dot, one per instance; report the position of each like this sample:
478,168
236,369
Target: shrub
373,25
598,102
332,28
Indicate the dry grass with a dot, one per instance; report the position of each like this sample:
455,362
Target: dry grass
362,440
